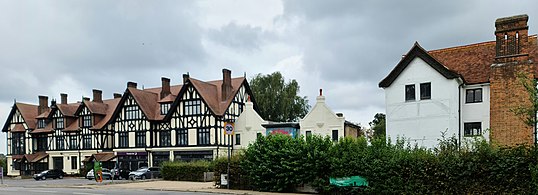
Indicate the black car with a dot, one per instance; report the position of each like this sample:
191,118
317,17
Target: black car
53,173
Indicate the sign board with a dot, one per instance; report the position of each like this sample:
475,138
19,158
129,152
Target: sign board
229,128
282,130
223,179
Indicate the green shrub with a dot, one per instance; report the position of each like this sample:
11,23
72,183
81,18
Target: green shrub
185,171
237,179
280,163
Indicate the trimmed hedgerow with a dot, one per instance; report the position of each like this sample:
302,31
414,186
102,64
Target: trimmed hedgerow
280,163
185,171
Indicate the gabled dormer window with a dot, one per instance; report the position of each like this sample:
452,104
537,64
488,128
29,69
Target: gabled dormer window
60,123
86,120
41,123
132,112
164,108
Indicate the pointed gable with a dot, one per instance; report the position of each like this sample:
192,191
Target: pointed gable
417,51
28,113
212,94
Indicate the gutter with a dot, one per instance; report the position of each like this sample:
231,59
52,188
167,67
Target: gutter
460,87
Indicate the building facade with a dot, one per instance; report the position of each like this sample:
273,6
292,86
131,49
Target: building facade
466,91
142,127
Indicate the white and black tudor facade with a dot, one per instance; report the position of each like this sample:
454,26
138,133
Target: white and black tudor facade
142,127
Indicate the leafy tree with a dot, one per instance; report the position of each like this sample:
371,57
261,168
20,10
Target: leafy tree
378,125
277,100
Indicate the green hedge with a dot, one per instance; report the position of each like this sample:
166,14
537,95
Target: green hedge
185,171
280,163
237,177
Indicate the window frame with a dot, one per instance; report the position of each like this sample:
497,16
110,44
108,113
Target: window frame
182,137
41,123
73,142
192,107
203,137
165,138
59,123
165,107
334,137
469,131
424,96
140,139
237,139
474,92
408,95
86,121
123,139
60,143
86,141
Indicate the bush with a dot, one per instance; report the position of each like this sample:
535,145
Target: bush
185,171
280,163
237,178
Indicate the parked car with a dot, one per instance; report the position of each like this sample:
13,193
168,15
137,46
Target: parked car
120,174
53,173
106,174
144,173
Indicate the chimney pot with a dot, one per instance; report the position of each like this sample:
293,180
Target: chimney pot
131,84
320,92
63,98
117,95
97,95
165,91
185,78
340,114
226,87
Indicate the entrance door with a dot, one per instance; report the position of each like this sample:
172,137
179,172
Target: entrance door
58,163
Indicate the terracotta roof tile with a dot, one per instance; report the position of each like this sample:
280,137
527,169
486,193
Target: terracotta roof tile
47,129
473,61
111,106
73,127
68,109
211,93
44,114
29,114
174,89
96,107
168,99
147,101
36,157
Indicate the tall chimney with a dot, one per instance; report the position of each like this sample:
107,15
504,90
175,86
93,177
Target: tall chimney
97,95
43,104
117,95
131,84
165,91
226,87
511,35
185,78
63,98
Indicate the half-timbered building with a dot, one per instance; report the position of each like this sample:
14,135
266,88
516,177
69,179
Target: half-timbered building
142,127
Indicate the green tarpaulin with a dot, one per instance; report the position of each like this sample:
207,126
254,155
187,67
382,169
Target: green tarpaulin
353,181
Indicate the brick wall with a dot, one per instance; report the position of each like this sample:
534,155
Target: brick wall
508,93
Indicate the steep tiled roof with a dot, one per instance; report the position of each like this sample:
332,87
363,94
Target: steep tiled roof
111,104
147,102
96,107
74,126
68,109
212,94
473,61
47,129
29,114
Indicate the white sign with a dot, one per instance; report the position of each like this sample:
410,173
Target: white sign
228,128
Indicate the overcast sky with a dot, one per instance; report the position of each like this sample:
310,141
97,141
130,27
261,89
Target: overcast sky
344,47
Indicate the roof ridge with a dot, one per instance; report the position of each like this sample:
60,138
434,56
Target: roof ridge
461,46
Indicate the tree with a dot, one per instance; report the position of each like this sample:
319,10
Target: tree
277,100
378,125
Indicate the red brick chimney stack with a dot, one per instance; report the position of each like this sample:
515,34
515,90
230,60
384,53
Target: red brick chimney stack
97,96
43,104
165,91
131,84
226,87
63,98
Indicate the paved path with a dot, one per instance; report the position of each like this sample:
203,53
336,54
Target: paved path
71,191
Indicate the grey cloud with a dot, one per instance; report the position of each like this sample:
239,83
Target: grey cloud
239,37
